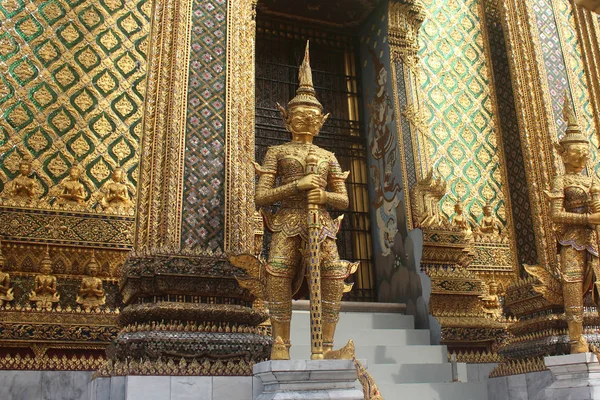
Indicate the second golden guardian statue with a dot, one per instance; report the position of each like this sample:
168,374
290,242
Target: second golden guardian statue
304,179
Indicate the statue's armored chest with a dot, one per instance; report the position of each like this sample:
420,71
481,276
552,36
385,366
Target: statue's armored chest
291,162
577,194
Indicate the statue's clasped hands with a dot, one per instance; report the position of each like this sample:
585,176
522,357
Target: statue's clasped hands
314,184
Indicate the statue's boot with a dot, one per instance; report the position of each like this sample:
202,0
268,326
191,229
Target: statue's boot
345,353
281,345
577,340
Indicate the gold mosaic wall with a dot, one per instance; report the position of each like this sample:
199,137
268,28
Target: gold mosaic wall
464,142
72,80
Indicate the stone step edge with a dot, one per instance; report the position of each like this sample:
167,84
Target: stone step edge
357,306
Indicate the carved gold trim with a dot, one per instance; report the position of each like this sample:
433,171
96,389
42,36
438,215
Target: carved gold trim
163,146
404,21
510,227
535,116
239,134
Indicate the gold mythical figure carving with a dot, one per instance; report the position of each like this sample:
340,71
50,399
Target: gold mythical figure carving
24,187
44,292
91,293
459,220
310,179
491,301
6,292
116,192
71,190
489,224
592,5
575,210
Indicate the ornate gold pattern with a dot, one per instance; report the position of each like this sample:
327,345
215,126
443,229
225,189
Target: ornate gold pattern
239,174
182,367
64,103
475,357
51,363
160,198
517,367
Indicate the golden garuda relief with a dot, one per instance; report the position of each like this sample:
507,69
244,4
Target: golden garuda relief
6,292
575,209
44,293
305,180
91,293
116,194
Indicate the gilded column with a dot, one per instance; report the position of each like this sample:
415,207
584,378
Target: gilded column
180,294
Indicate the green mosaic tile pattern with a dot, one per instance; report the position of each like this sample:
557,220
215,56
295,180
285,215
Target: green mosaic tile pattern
455,78
72,76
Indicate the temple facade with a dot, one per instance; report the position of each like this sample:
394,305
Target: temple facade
128,132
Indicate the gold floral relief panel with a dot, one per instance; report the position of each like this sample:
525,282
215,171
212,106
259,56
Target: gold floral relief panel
464,142
72,81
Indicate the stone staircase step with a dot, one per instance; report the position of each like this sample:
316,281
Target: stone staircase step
411,373
384,337
434,391
387,354
353,320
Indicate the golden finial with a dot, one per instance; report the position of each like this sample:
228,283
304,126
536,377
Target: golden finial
573,132
46,264
305,94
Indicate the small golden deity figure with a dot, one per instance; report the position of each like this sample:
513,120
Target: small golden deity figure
489,224
116,193
459,220
491,301
71,190
575,209
592,5
91,293
23,187
6,292
44,292
303,241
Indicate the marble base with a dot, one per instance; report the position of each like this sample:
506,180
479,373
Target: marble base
574,373
44,385
307,380
172,388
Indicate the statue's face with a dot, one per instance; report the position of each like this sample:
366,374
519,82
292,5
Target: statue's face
74,173
92,270
576,156
487,211
117,175
305,120
458,208
25,169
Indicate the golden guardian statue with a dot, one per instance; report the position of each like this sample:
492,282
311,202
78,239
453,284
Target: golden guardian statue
305,180
575,210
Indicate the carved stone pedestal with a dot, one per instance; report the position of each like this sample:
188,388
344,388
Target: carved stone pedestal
185,315
576,376
307,379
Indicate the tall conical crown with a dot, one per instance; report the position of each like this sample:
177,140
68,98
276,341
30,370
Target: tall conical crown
305,94
573,133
